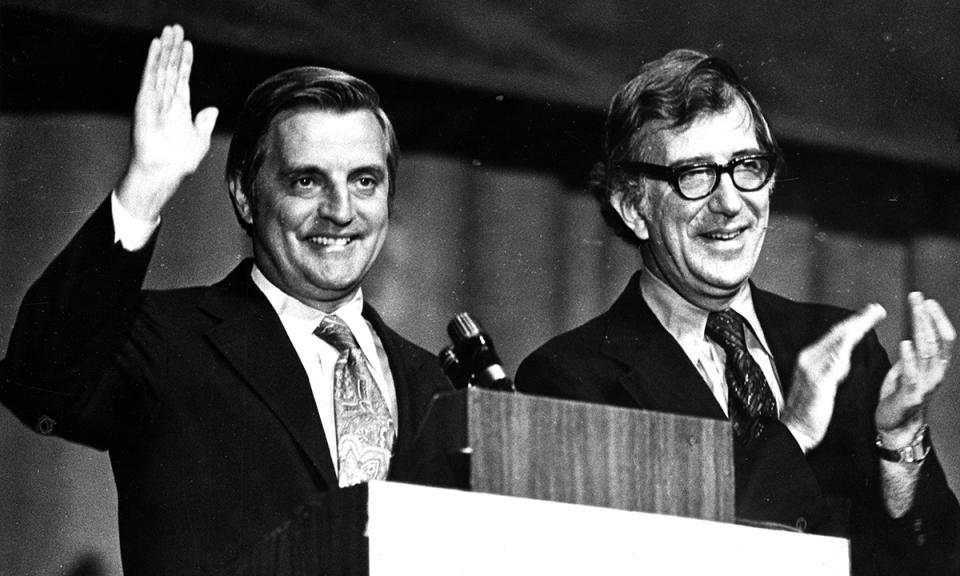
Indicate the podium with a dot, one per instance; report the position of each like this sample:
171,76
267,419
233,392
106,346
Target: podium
390,528
549,449
500,483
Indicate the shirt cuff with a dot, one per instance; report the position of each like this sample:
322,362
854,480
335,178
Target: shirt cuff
131,232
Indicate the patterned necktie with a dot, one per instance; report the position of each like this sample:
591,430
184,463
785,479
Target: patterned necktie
365,430
749,396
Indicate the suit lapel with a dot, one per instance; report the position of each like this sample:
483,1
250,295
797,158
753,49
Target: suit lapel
251,337
661,376
781,331
406,373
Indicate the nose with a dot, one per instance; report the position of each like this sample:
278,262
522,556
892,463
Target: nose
726,198
336,205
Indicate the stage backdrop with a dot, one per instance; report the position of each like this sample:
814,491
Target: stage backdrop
499,106
881,76
521,250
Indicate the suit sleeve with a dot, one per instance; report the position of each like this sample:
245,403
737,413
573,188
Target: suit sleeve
837,487
71,324
535,374
927,539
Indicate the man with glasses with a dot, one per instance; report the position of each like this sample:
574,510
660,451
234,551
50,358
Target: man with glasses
829,438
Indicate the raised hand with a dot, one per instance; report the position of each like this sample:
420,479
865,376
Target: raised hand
820,369
167,144
913,379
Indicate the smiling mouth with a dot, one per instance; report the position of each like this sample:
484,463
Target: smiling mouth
723,235
331,241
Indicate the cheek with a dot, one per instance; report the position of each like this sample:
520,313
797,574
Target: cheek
758,203
676,224
287,214
375,211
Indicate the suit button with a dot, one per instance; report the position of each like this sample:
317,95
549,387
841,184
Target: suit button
918,531
801,524
45,424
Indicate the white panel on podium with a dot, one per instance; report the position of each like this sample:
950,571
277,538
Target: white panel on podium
431,531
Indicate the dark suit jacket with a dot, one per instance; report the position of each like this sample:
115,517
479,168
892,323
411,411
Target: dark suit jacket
625,357
198,394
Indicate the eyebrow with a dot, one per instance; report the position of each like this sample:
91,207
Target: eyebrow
312,169
705,159
376,169
290,172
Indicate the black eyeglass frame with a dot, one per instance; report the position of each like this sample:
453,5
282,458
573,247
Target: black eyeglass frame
672,174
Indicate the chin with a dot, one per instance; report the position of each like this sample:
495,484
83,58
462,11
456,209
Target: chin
335,288
725,284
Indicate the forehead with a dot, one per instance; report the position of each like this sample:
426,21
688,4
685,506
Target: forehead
713,136
326,139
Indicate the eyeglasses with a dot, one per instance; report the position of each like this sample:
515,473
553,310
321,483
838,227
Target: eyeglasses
696,181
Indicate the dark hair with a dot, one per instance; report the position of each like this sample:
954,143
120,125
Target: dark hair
678,88
303,87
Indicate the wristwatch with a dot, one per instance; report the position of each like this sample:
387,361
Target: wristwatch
912,453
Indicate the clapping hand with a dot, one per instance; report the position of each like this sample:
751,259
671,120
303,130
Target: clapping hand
167,143
820,369
911,382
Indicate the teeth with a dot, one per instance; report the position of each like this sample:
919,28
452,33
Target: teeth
721,236
330,241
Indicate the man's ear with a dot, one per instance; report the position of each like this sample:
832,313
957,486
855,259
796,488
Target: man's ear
627,204
242,202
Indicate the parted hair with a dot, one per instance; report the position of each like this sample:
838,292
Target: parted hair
306,87
674,90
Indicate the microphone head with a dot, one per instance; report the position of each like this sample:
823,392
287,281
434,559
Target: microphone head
475,353
463,327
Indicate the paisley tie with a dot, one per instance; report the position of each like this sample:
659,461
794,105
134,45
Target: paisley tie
365,429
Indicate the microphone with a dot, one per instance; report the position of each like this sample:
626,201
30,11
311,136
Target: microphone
475,353
455,371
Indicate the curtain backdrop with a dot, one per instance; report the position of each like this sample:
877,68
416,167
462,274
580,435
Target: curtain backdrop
878,76
524,251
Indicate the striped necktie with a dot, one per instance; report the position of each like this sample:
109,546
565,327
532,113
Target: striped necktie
749,396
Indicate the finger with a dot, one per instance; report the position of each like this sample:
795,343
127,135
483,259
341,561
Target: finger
173,68
206,120
186,64
852,330
892,379
830,356
943,328
924,339
166,47
909,371
149,78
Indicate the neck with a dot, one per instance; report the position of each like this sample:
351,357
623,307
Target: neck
326,305
716,298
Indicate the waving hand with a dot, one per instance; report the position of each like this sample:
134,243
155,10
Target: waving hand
167,143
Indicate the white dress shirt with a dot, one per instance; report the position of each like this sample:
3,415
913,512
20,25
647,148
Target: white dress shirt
299,321
687,324
318,357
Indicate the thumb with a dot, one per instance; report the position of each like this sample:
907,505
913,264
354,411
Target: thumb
891,380
205,121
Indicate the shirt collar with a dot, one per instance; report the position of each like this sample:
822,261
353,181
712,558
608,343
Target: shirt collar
297,315
687,322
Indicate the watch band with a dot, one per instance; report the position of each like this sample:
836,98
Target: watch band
912,453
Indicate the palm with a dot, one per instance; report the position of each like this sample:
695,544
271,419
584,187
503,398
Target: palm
167,144
820,369
923,363
164,135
